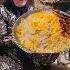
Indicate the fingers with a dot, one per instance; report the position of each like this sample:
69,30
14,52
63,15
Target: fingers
7,39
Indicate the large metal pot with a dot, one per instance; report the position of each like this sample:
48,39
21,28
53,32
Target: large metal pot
38,58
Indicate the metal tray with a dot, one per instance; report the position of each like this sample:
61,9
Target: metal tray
61,14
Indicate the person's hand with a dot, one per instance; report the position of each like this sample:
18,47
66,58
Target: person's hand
7,39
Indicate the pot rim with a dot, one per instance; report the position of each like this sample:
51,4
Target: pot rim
24,16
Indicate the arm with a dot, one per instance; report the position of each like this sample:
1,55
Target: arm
9,20
3,30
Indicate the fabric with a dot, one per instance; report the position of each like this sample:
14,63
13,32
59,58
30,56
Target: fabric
12,56
7,20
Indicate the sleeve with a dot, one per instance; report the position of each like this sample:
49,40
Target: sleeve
11,22
9,18
6,22
3,30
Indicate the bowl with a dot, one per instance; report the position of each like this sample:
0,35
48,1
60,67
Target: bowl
38,58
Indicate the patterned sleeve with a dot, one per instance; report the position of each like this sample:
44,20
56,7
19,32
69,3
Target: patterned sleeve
9,18
11,22
3,29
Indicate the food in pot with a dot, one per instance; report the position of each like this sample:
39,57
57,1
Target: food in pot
41,32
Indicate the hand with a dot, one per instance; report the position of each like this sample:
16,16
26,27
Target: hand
7,39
